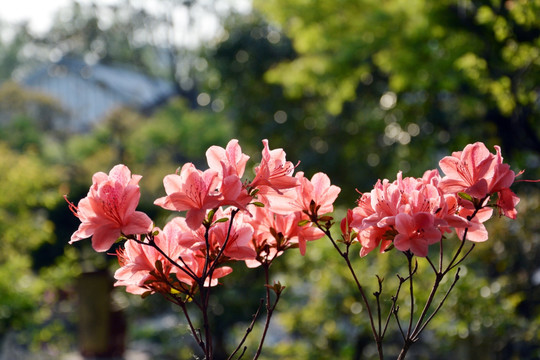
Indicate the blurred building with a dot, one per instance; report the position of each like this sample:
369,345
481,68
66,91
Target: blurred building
88,93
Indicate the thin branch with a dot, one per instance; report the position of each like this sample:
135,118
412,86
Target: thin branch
186,269
192,328
432,265
417,333
411,291
207,245
440,255
248,331
353,273
345,256
461,260
396,309
454,258
205,295
377,295
438,278
394,306
222,249
269,309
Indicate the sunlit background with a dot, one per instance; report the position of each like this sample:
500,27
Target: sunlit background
358,89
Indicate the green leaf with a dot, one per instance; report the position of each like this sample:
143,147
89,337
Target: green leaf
465,196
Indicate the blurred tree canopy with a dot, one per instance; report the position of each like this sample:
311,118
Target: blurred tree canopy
363,89
374,84
467,59
30,190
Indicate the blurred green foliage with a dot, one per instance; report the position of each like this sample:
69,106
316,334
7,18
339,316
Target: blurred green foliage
30,189
374,84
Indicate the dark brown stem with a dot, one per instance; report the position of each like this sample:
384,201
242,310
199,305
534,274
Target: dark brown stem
205,296
413,336
417,333
345,256
405,349
248,331
191,327
411,292
394,307
377,295
269,309
220,253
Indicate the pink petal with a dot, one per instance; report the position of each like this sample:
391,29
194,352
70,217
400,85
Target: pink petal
218,273
104,237
85,231
137,223
449,165
194,218
479,190
507,202
419,248
402,242
131,199
214,156
172,183
121,174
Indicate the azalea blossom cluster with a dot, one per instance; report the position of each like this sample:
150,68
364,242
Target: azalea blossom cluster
226,219
413,213
223,217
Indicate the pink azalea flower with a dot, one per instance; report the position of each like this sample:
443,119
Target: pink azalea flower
468,170
228,161
230,164
386,201
274,180
416,232
191,190
108,211
193,256
431,177
375,217
239,243
503,177
273,233
138,271
234,193
178,231
480,173
370,235
318,190
238,246
507,202
430,199
476,230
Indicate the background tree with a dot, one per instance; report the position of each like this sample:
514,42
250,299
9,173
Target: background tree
30,190
397,79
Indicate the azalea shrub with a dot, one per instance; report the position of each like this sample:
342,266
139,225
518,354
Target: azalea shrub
221,216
